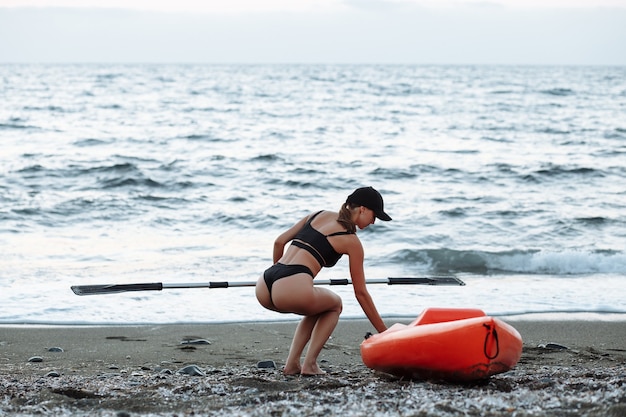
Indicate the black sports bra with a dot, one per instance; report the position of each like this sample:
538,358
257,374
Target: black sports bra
317,243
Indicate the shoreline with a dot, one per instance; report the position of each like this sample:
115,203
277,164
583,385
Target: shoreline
565,315
566,367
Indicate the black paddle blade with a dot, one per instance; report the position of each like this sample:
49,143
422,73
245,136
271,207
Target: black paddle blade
426,281
115,288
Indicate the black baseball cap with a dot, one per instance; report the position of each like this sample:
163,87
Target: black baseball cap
370,198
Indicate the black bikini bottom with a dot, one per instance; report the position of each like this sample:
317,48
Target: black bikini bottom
278,271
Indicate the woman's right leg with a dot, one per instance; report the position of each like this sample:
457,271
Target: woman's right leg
300,339
324,326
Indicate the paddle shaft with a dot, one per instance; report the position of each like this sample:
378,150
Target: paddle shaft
158,286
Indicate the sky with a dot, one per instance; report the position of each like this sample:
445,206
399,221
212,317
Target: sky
509,32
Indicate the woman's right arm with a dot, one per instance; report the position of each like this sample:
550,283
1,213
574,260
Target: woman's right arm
286,237
355,252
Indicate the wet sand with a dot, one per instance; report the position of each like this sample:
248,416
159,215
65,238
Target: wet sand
567,368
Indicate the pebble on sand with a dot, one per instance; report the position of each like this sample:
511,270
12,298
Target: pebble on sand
55,349
266,365
193,370
195,342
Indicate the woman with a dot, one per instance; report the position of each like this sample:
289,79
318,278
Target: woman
319,240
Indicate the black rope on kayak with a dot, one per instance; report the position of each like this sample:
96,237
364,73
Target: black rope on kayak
495,337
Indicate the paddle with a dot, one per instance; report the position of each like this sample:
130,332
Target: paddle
158,286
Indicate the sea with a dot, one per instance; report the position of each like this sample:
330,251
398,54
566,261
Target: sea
510,178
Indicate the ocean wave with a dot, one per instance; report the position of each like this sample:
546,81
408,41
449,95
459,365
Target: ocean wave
103,177
90,142
50,108
121,175
391,173
121,182
595,220
15,125
206,138
550,172
554,131
305,183
617,133
515,261
554,170
558,92
270,157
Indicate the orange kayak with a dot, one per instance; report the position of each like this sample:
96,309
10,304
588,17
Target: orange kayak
446,344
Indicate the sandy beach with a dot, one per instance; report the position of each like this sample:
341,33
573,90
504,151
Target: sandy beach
567,368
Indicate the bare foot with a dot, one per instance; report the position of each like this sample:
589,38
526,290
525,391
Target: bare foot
292,370
313,370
